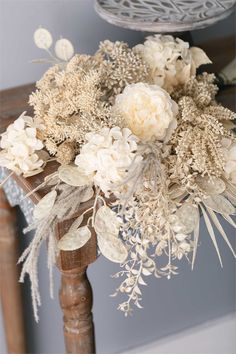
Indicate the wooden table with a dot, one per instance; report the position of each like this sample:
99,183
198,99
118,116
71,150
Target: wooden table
76,293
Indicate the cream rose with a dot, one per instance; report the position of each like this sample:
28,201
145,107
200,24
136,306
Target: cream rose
171,60
148,111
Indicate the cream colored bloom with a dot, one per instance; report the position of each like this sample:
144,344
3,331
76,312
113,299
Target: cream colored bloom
230,155
171,60
107,156
148,111
19,144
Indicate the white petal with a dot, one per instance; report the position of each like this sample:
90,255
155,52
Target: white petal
19,124
4,159
20,149
30,132
199,56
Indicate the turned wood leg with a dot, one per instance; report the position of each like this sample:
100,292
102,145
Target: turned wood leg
76,302
10,291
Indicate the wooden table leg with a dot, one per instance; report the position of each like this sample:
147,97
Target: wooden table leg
10,291
76,303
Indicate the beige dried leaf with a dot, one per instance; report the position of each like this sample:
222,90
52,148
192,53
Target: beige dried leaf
212,186
75,239
219,204
72,176
112,248
220,229
44,206
187,216
196,233
211,233
106,222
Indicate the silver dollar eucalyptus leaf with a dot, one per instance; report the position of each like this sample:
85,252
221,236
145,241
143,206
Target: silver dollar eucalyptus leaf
52,180
44,206
74,226
211,186
71,175
112,248
64,49
87,194
219,204
73,240
106,222
42,38
187,216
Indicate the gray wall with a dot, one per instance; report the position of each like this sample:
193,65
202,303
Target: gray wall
189,299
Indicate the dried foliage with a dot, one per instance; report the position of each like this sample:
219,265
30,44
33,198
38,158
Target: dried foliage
198,138
151,164
69,101
121,66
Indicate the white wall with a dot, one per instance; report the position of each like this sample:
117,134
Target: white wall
187,300
197,340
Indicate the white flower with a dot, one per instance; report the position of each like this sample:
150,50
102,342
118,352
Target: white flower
19,144
171,60
107,156
148,111
230,156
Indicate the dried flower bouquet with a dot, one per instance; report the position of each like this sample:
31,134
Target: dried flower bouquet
140,134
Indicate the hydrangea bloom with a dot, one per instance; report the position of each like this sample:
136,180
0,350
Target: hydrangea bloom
19,144
107,156
171,60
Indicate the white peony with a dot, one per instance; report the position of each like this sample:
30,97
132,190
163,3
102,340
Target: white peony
171,60
106,157
230,156
148,111
19,144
